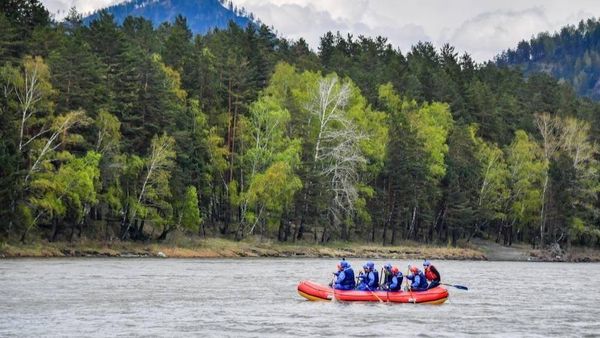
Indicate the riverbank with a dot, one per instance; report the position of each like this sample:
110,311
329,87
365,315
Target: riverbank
524,253
222,248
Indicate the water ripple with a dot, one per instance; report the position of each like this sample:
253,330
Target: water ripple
257,298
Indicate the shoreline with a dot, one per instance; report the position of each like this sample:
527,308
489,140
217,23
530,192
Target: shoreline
221,248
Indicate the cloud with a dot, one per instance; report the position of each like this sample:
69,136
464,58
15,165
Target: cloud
487,34
307,21
296,21
482,28
61,7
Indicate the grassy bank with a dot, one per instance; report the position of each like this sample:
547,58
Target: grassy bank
215,248
212,248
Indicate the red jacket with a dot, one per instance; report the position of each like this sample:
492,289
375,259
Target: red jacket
432,274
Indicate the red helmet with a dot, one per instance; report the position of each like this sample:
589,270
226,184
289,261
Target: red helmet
413,269
395,270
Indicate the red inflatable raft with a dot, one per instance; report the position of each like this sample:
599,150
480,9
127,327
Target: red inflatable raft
315,292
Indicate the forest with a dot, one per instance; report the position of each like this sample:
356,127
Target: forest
132,132
571,55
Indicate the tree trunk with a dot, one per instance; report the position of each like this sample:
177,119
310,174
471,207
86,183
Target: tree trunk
281,231
165,232
72,233
54,230
542,212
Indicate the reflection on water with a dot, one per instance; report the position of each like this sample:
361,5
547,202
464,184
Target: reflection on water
257,298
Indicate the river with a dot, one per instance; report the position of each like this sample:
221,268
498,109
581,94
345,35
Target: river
257,298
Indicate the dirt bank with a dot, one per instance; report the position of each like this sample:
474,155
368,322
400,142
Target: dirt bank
212,248
523,252
215,248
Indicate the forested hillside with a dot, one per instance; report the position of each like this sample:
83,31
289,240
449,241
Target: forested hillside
571,55
134,131
202,15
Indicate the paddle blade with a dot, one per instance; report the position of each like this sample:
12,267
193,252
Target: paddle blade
462,287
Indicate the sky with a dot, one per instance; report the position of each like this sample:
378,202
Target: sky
483,28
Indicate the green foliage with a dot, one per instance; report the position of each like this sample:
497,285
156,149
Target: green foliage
570,55
493,191
526,169
10,43
68,190
190,214
464,174
139,131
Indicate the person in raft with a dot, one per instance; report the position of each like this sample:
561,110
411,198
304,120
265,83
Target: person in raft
417,278
387,275
393,279
345,277
431,274
370,279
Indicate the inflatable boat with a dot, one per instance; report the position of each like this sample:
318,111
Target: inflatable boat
318,292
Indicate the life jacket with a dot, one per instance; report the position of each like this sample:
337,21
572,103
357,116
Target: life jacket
432,274
376,280
388,278
398,285
348,278
422,282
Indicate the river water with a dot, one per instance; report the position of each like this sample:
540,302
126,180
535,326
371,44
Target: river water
258,298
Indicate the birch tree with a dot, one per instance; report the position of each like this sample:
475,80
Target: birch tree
493,187
32,89
41,138
68,191
527,167
571,137
578,145
550,130
108,135
57,137
155,184
269,161
337,155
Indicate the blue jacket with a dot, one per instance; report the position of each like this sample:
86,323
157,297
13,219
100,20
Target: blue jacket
419,283
345,280
369,281
396,282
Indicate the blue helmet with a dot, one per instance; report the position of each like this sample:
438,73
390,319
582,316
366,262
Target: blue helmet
370,265
426,263
388,266
366,267
344,264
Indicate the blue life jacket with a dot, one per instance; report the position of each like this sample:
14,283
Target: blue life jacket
345,280
370,281
419,282
396,282
374,282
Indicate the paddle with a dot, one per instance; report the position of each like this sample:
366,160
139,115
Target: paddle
374,294
333,279
461,287
411,299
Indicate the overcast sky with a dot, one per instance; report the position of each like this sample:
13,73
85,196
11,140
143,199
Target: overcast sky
483,28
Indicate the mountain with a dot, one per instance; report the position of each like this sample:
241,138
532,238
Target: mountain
572,55
202,15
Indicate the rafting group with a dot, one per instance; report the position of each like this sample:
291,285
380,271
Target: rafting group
423,286
391,278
